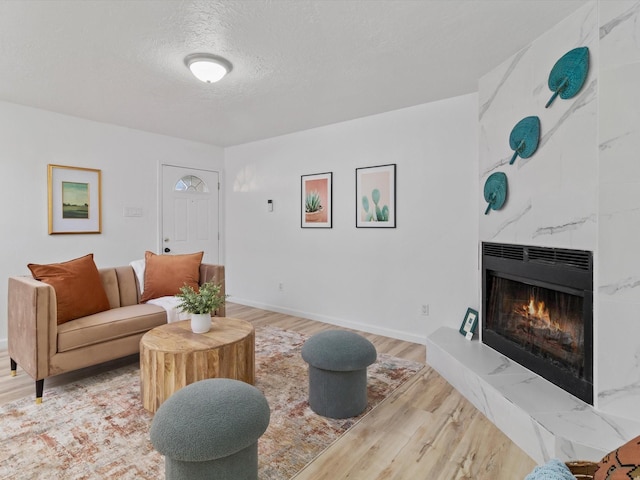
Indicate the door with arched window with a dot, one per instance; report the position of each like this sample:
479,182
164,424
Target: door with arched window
190,212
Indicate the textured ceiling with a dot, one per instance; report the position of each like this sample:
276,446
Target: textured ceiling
297,64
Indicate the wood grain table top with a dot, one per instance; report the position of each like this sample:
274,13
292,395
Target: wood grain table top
177,337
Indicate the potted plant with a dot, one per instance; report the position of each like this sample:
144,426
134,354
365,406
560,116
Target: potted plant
200,304
312,206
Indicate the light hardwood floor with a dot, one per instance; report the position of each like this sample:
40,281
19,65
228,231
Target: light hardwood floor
424,430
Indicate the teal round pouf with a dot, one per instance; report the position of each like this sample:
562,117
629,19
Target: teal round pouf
210,430
338,362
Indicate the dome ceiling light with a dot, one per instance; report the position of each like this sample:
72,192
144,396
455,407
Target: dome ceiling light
206,67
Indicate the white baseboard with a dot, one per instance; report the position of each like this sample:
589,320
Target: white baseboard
363,327
4,344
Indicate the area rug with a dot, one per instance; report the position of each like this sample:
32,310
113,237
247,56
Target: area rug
96,428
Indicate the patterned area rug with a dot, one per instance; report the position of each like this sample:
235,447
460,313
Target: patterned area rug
96,428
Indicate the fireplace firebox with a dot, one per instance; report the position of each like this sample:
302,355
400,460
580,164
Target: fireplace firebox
538,310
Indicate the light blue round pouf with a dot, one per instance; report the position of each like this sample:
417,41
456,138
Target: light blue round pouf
210,430
338,362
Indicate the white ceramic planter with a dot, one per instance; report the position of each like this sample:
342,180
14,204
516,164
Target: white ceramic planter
200,322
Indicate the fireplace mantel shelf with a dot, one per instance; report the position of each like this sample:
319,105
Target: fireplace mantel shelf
541,418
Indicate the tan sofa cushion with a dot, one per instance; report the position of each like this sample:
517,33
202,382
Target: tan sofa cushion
120,285
164,275
128,286
110,283
78,287
104,326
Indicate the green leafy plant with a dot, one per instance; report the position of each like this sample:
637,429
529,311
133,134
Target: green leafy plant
207,299
312,202
376,214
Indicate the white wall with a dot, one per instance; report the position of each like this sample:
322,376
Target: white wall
129,161
371,279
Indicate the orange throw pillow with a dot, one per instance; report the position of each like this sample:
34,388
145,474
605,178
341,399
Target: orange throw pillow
79,290
621,464
164,275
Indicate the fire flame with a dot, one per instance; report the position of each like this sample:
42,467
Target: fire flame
538,311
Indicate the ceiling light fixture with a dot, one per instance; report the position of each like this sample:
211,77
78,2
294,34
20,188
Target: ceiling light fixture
207,67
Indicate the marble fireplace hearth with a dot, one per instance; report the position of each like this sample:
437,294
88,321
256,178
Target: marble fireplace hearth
579,192
542,419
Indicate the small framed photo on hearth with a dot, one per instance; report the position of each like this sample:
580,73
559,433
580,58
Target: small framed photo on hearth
469,324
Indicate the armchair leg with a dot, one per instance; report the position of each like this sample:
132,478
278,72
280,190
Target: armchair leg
39,389
14,367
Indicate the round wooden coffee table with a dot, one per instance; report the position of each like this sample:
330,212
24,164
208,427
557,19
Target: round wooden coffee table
172,356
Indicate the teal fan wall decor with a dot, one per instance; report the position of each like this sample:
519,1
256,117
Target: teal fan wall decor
495,191
568,74
524,138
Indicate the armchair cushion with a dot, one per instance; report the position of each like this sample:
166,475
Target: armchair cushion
164,275
78,287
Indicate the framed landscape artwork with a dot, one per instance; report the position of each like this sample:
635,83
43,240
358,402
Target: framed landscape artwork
74,200
376,196
316,200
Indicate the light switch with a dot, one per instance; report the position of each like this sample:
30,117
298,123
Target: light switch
132,212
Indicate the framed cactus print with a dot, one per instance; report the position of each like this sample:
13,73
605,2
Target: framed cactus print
316,200
376,196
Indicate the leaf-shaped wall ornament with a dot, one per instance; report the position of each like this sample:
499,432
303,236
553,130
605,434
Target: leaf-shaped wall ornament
568,74
524,138
495,191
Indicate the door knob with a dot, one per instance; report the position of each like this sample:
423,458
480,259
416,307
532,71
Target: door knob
167,250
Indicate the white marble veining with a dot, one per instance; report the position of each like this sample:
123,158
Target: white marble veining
619,32
505,74
542,419
618,287
619,130
580,189
619,273
552,198
618,354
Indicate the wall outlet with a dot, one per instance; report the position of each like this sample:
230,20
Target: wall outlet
424,309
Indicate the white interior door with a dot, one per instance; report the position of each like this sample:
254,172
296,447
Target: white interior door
190,212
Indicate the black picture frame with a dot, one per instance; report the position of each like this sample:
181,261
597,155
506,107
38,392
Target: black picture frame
376,196
470,322
317,187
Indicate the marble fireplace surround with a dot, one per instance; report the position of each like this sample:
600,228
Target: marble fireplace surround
541,418
579,191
